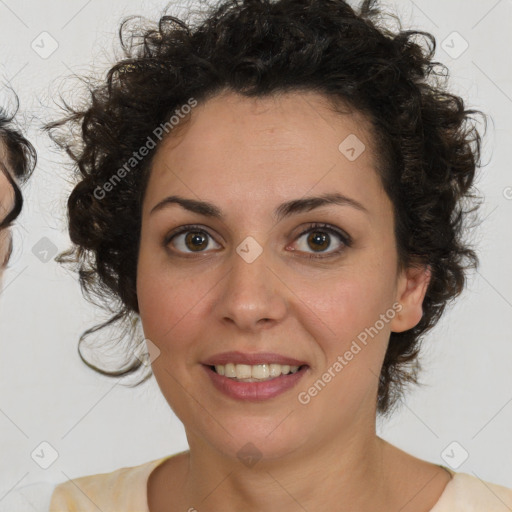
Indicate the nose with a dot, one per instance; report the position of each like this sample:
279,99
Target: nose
252,296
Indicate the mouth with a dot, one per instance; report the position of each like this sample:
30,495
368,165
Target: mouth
254,373
254,377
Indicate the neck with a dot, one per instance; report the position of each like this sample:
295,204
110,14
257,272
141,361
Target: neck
328,476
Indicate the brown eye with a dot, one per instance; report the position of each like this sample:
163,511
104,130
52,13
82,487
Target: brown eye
196,241
189,240
320,238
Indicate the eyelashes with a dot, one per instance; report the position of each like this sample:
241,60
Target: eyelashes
320,233
316,229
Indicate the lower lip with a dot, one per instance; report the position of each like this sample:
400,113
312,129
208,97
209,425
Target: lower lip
254,391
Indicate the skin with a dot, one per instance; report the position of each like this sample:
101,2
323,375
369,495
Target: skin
247,156
6,205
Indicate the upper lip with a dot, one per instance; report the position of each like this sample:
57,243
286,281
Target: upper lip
251,359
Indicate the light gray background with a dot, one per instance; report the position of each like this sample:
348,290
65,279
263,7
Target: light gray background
48,395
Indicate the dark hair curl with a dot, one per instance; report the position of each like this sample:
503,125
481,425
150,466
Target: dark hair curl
428,143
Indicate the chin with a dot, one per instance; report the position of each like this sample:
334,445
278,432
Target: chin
252,440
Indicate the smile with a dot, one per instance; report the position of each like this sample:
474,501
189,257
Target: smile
254,373
254,389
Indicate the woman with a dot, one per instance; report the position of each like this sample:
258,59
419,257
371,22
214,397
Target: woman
17,160
323,178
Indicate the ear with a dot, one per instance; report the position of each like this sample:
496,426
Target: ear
411,289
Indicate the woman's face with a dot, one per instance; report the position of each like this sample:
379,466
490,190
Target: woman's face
257,283
6,205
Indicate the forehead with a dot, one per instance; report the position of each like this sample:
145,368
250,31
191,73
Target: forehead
288,144
272,121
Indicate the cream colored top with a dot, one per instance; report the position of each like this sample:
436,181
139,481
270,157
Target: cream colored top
125,490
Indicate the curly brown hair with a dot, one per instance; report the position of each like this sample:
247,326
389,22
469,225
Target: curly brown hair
427,140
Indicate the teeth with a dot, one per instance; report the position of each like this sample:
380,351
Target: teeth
243,371
275,370
257,372
229,370
260,371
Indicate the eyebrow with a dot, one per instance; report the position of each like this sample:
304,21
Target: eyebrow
287,209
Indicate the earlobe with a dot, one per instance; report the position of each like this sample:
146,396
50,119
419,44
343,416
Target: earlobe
411,290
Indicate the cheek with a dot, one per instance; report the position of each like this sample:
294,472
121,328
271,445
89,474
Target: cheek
4,247
170,305
354,325
353,338
352,301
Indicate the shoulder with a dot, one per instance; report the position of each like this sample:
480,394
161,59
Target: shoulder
467,493
122,489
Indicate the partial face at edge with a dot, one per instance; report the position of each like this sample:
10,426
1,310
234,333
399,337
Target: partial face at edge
6,205
199,297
